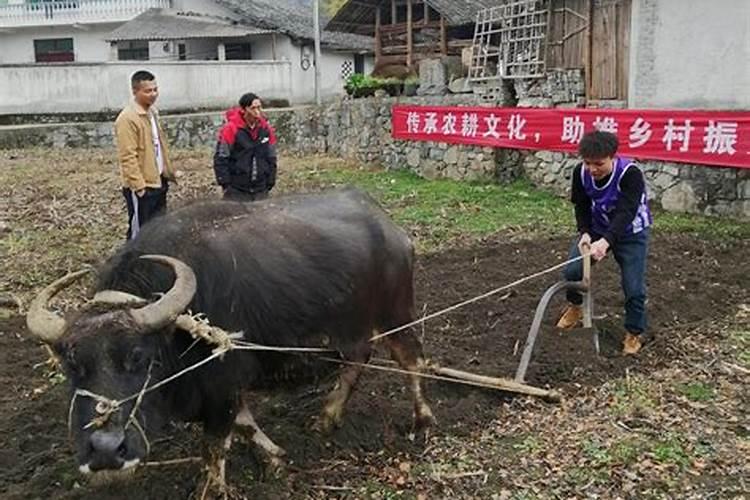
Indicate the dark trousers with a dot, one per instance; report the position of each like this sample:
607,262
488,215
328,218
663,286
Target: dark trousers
142,209
630,253
233,194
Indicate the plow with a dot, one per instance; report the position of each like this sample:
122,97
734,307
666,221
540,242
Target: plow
518,384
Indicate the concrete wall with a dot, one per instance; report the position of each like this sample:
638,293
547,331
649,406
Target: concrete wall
82,88
332,83
690,54
18,46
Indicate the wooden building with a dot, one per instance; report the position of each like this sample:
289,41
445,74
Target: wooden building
592,35
406,31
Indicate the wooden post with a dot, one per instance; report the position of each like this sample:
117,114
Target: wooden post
503,384
378,41
587,323
393,12
426,17
409,43
443,37
273,46
589,53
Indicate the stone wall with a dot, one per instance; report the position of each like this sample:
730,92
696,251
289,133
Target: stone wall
559,88
675,187
360,130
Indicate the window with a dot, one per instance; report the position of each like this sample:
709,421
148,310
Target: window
510,40
54,50
238,51
135,50
359,64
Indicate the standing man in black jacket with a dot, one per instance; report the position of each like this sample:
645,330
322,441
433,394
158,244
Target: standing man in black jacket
245,157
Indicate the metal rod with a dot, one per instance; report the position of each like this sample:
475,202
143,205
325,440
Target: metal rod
587,284
537,322
316,29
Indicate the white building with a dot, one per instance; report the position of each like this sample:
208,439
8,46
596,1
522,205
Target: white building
76,55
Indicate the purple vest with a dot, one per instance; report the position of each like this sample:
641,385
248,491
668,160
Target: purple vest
604,199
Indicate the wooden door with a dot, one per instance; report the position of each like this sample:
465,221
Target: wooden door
610,50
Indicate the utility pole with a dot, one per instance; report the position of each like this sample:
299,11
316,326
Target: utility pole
316,29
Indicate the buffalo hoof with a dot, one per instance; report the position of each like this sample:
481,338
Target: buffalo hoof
274,468
424,419
326,424
330,419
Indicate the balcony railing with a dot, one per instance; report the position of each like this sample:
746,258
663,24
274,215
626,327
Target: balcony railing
60,12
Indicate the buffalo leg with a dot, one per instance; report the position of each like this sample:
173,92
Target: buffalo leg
216,450
333,410
249,428
406,350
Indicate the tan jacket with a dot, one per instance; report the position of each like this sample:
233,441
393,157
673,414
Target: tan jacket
135,149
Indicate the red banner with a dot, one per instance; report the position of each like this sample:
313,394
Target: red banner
699,137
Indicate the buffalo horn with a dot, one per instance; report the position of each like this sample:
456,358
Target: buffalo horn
117,297
43,323
165,310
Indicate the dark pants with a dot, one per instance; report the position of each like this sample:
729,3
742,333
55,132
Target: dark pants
233,194
142,209
630,253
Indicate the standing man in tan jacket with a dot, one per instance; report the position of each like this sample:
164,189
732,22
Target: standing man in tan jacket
143,154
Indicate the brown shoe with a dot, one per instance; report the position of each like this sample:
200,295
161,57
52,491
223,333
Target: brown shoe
571,317
632,344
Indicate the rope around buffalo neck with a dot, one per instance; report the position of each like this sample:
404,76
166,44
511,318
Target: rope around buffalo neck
227,342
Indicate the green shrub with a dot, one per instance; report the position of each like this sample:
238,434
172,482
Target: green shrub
359,85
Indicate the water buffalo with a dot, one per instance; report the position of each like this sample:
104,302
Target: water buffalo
326,270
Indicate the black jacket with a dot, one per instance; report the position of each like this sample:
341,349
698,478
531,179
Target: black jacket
246,164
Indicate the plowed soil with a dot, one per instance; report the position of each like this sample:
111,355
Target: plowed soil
691,281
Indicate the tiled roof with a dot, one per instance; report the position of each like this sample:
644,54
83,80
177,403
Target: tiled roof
163,24
294,20
358,16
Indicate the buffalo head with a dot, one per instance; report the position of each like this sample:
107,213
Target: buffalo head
111,350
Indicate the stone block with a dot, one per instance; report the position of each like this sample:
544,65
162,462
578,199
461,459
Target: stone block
432,77
451,155
413,158
661,181
436,154
429,169
453,172
680,198
743,190
466,57
462,157
459,86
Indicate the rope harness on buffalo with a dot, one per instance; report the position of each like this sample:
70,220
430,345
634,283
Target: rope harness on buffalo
106,407
199,327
